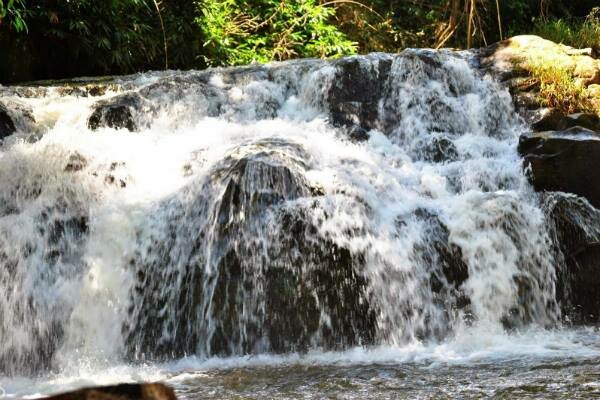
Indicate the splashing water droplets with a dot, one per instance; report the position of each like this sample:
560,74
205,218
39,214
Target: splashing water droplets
372,200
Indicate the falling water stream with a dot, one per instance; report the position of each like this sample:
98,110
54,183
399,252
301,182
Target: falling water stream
309,229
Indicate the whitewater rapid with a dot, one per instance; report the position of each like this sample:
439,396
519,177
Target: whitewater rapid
239,226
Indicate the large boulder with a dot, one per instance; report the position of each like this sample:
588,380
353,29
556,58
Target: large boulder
564,161
126,391
242,269
521,61
507,59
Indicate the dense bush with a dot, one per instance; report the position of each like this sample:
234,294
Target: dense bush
239,32
11,14
80,37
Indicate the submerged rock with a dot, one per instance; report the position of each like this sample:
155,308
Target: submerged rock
438,149
564,161
126,391
76,162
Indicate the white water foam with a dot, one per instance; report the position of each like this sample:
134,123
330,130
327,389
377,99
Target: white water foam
68,235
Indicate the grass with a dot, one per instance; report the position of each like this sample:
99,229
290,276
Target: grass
558,87
578,34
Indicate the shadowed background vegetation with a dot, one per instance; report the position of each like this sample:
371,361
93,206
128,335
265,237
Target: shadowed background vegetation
51,39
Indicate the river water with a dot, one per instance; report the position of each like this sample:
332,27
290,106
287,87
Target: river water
309,229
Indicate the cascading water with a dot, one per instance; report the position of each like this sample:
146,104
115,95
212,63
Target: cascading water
373,201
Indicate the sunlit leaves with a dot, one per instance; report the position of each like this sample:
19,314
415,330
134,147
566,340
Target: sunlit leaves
240,32
12,11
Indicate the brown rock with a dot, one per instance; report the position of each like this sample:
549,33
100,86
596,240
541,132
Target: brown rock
594,79
126,391
586,120
550,119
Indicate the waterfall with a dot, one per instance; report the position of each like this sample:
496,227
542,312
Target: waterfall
371,200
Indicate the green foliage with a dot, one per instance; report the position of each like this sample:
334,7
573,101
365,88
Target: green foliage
239,32
110,32
556,30
572,33
12,11
89,37
61,38
377,26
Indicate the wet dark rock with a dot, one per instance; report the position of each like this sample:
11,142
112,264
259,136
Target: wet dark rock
243,75
438,149
61,243
586,120
357,87
428,58
281,276
550,119
117,112
38,357
527,103
574,225
87,90
358,134
134,110
584,270
126,391
7,126
331,279
14,117
564,161
27,92
447,272
438,251
112,180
